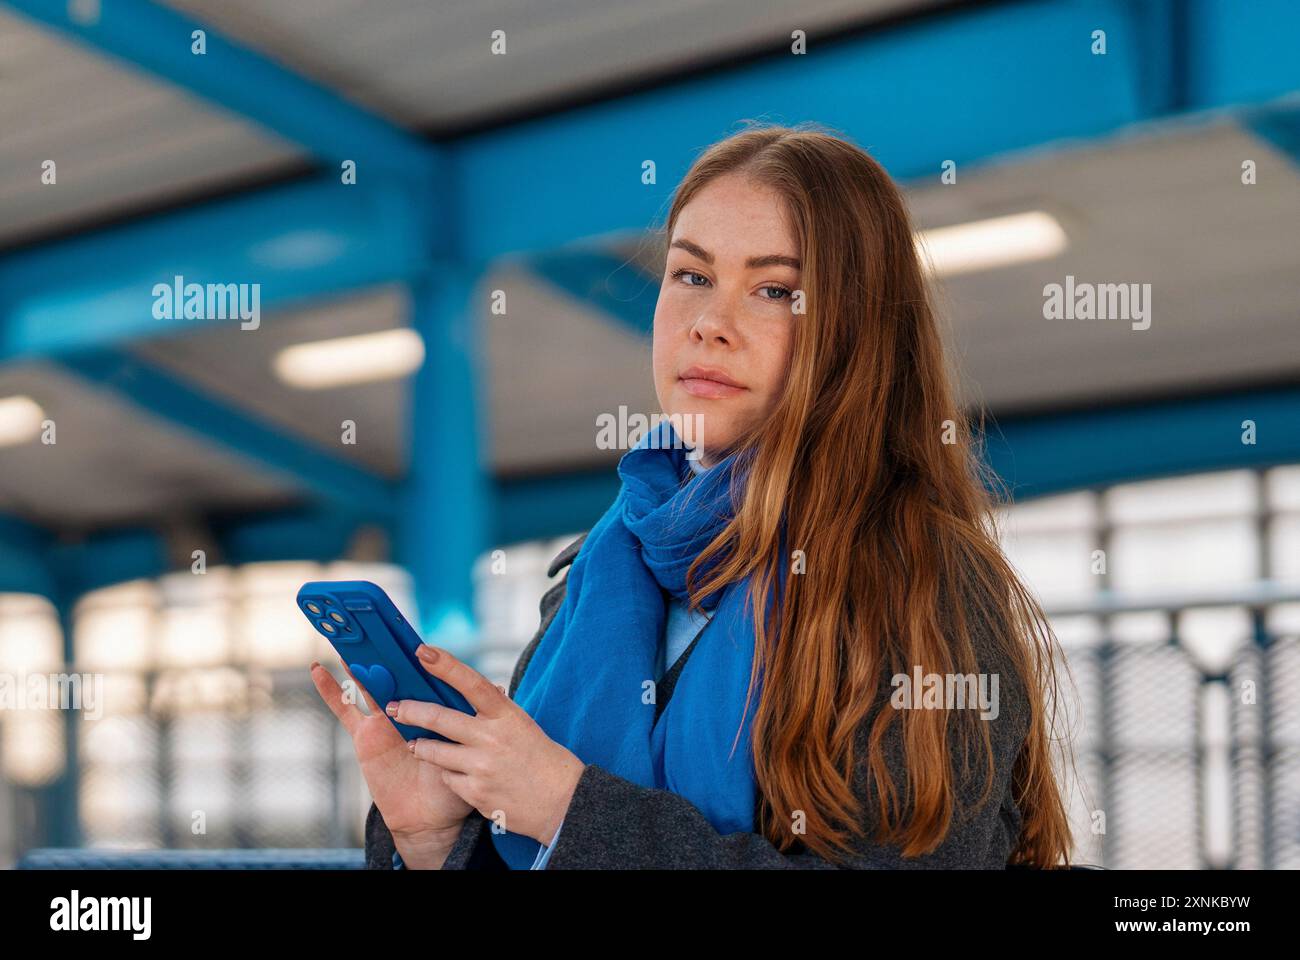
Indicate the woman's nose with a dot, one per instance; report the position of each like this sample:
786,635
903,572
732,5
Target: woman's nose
711,325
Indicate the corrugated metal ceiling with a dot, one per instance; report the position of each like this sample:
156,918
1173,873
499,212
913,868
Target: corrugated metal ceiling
119,138
1165,207
435,70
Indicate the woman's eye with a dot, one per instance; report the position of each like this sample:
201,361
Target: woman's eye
774,293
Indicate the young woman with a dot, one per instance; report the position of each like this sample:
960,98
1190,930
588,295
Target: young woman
891,708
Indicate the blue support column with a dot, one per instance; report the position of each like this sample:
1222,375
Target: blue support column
29,563
444,510
64,808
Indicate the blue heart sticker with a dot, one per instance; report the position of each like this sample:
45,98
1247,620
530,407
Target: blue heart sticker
377,680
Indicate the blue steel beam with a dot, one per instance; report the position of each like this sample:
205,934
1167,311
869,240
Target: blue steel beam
1280,126
24,560
214,421
1241,54
103,558
615,286
1047,454
1031,60
965,87
33,560
961,87
1244,57
310,239
986,82
158,40
521,508
542,507
320,533
1036,455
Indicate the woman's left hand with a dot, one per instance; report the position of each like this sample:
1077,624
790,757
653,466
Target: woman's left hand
502,763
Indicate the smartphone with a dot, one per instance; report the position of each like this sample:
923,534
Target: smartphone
378,644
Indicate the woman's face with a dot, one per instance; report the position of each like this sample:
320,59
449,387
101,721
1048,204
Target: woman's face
722,328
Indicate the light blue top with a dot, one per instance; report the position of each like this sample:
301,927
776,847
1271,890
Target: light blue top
679,630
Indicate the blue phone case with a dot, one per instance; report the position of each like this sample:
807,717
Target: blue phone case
378,645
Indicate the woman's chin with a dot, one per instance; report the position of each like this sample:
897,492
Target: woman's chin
696,426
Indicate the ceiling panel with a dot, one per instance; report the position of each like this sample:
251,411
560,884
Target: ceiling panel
1166,207
542,395
113,463
1218,256
237,366
1162,205
430,66
119,138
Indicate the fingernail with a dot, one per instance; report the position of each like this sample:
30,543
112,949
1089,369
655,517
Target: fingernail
391,709
410,744
428,652
314,665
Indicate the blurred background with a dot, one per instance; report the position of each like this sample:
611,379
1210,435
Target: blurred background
443,210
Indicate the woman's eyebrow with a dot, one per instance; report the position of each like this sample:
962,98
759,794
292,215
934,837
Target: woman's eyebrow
769,260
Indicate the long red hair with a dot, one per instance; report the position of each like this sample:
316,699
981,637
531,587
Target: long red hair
876,472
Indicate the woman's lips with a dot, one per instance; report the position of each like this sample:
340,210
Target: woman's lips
709,389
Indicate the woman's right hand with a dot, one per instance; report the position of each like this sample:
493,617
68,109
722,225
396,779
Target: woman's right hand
419,809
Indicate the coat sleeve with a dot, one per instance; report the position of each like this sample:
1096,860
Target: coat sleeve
474,849
612,823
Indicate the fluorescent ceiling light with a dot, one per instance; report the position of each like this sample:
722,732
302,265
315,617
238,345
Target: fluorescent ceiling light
20,420
987,244
386,355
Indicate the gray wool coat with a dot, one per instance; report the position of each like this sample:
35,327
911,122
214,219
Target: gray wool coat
612,823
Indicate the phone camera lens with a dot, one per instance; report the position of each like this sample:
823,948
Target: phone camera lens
327,626
336,616
313,608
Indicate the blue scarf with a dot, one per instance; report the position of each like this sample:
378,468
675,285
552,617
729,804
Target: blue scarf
590,682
